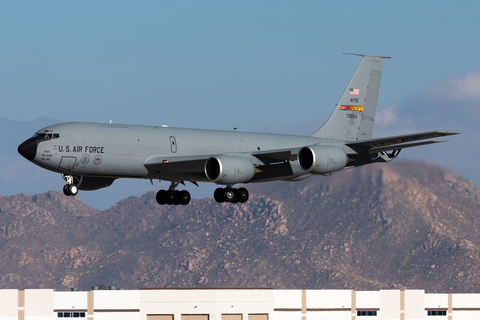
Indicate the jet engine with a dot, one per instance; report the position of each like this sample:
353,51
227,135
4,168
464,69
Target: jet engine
229,170
322,159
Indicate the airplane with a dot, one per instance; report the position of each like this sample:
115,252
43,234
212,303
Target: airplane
91,156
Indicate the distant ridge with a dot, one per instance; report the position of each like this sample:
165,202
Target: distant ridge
400,225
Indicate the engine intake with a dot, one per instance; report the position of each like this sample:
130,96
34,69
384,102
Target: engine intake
229,170
322,159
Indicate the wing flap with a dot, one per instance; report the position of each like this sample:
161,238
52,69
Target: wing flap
189,168
276,156
403,146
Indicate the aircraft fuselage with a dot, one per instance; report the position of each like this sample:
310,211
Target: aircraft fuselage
112,150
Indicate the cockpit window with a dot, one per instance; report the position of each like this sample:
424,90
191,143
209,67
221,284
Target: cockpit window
46,136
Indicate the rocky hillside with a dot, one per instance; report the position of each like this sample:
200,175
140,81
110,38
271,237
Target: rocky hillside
398,225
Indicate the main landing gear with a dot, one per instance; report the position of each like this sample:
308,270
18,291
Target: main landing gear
230,194
175,197
172,196
71,188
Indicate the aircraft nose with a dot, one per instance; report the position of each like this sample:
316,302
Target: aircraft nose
28,149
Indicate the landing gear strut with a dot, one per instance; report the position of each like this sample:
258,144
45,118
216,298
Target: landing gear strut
71,188
230,194
172,196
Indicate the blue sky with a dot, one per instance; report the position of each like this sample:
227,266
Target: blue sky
258,66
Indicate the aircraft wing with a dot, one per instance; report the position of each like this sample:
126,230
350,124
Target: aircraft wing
403,146
399,142
192,168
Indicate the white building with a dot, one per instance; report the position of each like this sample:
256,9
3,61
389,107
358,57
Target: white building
235,304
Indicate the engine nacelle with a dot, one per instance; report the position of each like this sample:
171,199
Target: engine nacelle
321,159
94,183
229,170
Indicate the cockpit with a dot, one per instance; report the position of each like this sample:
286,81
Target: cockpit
47,135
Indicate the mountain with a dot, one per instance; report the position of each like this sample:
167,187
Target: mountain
404,224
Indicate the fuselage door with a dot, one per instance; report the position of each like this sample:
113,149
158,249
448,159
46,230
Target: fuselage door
173,144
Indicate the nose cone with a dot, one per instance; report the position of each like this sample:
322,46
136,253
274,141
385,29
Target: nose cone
28,149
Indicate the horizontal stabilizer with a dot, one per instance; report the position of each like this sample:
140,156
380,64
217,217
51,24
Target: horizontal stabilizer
368,55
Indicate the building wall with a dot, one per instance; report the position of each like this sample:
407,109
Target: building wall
9,307
287,304
237,304
211,302
414,308
70,301
38,304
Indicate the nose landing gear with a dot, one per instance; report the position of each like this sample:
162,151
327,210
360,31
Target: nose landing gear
71,188
172,196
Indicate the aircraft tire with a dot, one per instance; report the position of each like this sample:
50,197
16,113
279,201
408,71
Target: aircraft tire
65,190
218,195
171,197
229,194
177,199
161,197
242,195
184,197
72,189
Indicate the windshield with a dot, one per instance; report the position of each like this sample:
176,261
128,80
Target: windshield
46,135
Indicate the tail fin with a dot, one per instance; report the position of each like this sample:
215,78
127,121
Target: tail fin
354,115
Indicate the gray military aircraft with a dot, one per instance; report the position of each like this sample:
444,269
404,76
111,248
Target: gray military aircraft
91,156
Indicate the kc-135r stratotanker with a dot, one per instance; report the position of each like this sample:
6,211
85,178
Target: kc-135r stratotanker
91,156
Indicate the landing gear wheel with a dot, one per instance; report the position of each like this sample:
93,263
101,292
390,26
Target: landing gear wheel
171,197
218,195
242,195
72,189
177,197
229,194
184,197
65,190
161,197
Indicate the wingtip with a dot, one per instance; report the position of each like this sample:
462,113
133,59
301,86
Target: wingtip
448,133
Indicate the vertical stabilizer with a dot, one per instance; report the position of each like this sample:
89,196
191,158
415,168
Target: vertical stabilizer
354,115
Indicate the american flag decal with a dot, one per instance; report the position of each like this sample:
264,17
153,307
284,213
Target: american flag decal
354,91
